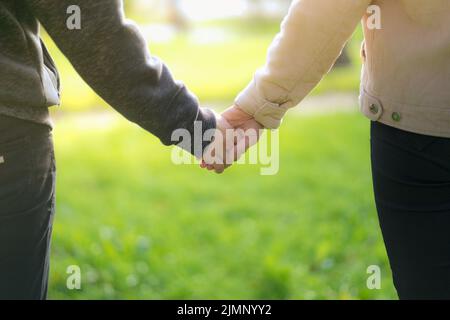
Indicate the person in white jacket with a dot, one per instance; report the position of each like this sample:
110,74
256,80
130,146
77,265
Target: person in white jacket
405,92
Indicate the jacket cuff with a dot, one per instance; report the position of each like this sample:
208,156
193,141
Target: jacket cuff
267,113
206,124
199,134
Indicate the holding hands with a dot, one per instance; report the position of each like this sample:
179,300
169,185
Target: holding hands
236,132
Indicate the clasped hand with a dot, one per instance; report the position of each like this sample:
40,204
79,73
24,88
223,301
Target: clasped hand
236,132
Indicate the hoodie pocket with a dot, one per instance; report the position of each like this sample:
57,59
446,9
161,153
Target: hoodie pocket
50,78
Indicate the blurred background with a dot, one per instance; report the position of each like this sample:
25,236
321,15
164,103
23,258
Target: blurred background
141,227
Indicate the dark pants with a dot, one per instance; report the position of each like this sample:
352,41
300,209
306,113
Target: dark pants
411,177
27,198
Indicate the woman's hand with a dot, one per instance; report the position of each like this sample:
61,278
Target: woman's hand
237,131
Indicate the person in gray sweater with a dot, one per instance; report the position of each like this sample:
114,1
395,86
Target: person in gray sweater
112,57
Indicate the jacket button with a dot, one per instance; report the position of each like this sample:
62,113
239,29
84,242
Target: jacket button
373,108
396,116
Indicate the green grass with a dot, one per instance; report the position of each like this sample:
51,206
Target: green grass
141,227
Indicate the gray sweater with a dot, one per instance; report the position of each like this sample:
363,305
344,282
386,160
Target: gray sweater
108,52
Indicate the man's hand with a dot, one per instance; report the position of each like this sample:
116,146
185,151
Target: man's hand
237,132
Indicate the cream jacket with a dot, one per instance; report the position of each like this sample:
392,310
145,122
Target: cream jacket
406,63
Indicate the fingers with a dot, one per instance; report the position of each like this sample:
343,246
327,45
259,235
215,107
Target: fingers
217,159
215,153
236,132
225,151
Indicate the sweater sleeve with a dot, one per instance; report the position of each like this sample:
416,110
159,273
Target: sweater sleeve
312,35
110,54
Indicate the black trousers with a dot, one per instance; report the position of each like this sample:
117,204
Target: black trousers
411,179
27,197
